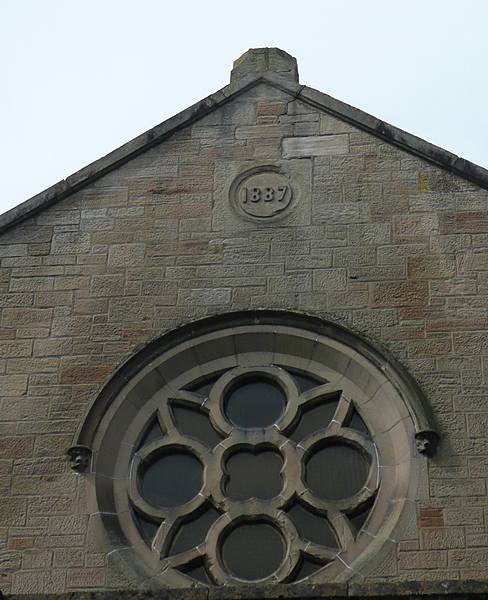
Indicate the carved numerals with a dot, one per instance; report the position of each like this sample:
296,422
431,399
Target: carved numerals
266,194
261,193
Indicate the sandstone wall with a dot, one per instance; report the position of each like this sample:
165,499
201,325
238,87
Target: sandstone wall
381,241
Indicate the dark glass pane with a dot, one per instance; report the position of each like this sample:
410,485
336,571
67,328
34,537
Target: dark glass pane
313,417
195,423
336,471
203,387
153,432
254,474
171,479
193,532
198,571
307,566
253,550
358,518
146,527
305,381
254,403
311,526
355,422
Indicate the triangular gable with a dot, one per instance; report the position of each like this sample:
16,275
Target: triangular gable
241,82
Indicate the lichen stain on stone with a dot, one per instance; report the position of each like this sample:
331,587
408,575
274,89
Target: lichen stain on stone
423,185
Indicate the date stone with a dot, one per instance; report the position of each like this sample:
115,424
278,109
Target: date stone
261,193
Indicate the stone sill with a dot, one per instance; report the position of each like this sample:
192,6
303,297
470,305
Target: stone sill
429,590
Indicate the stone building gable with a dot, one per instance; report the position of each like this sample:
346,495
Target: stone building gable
377,237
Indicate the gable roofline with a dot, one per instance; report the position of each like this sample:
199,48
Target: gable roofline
327,104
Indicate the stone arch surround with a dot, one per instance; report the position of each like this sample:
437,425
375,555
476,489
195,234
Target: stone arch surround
389,400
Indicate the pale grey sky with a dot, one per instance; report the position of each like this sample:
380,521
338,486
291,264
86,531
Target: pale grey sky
80,78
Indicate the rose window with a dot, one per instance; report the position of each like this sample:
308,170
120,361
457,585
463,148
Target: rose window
256,474
253,452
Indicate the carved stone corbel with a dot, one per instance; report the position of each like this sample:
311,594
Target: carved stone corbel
79,457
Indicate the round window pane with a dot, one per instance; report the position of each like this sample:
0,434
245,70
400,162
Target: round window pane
171,479
254,403
337,471
253,551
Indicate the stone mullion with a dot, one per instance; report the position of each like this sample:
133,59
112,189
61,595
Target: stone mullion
342,528
163,535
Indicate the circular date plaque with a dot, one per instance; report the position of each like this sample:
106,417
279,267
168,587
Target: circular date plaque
261,193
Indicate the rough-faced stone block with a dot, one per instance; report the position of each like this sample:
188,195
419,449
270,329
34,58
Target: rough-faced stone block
52,445
53,347
19,317
369,234
457,488
469,558
37,582
414,227
427,559
14,510
126,255
329,279
68,326
464,222
361,256
70,243
477,424
204,297
473,342
442,538
37,559
464,516
473,260
429,347
295,282
431,267
15,349
404,293
87,577
13,385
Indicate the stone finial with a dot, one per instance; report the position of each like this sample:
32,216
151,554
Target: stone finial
259,61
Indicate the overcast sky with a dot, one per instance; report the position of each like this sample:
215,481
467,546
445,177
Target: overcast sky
80,78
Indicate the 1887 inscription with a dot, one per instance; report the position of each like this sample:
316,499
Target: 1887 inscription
261,193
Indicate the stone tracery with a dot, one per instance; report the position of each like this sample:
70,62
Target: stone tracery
191,397
294,456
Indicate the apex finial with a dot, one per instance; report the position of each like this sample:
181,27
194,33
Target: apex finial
257,61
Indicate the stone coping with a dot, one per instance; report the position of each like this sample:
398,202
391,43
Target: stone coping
354,116
431,590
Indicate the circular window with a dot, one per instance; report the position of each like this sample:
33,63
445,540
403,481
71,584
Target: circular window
260,448
252,551
336,471
254,403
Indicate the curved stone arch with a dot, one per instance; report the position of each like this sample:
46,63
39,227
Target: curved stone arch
404,383
388,399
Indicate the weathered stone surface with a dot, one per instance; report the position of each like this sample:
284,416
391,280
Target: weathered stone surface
329,279
440,538
320,145
377,239
408,293
259,60
70,243
426,559
126,255
431,267
14,512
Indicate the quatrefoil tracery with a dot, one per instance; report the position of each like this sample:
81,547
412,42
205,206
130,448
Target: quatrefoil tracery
294,455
